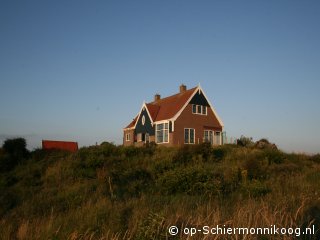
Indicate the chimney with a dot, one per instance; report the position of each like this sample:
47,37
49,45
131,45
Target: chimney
157,97
183,88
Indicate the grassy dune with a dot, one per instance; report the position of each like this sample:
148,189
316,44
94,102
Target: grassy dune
114,192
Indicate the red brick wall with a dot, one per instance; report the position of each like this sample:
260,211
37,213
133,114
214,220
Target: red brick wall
128,143
199,122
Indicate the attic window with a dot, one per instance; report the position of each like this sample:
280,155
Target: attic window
199,109
143,120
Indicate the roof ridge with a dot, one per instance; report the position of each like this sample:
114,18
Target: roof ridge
171,96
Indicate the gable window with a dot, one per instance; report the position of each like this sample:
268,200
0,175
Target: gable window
199,109
189,136
162,133
194,108
128,137
204,110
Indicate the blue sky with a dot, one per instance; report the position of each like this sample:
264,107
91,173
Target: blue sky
80,70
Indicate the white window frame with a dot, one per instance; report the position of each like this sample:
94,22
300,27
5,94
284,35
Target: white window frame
128,137
201,112
184,136
163,130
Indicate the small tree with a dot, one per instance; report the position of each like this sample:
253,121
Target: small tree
15,151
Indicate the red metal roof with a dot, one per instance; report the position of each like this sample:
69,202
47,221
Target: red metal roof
62,145
167,107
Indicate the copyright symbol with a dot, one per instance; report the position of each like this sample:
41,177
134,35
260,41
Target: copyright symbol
173,230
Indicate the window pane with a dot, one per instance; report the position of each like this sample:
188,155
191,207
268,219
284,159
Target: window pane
194,108
159,136
204,110
166,126
206,136
186,136
191,135
165,136
199,109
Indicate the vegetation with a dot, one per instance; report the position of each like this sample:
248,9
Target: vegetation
115,192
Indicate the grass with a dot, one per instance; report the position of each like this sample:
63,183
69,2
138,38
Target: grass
115,192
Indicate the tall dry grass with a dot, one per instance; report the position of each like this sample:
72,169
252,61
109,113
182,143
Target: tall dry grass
110,192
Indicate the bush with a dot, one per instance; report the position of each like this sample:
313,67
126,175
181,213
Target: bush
274,156
254,169
15,152
8,200
191,180
130,182
311,217
184,155
256,189
245,141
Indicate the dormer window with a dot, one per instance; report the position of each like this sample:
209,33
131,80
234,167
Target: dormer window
199,109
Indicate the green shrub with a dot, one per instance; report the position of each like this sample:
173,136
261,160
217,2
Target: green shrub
245,141
311,217
184,155
274,156
254,169
130,182
256,188
219,153
205,150
191,180
9,199
315,158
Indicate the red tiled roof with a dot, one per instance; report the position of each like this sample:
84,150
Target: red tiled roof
167,107
62,145
133,122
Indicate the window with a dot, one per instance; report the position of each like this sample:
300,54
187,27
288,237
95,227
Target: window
189,137
194,108
143,120
204,110
208,136
162,133
199,109
128,137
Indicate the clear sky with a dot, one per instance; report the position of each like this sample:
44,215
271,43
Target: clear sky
80,70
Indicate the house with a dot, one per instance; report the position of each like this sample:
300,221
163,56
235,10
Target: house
61,145
187,117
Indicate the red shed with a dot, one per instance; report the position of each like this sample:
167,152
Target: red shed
62,145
